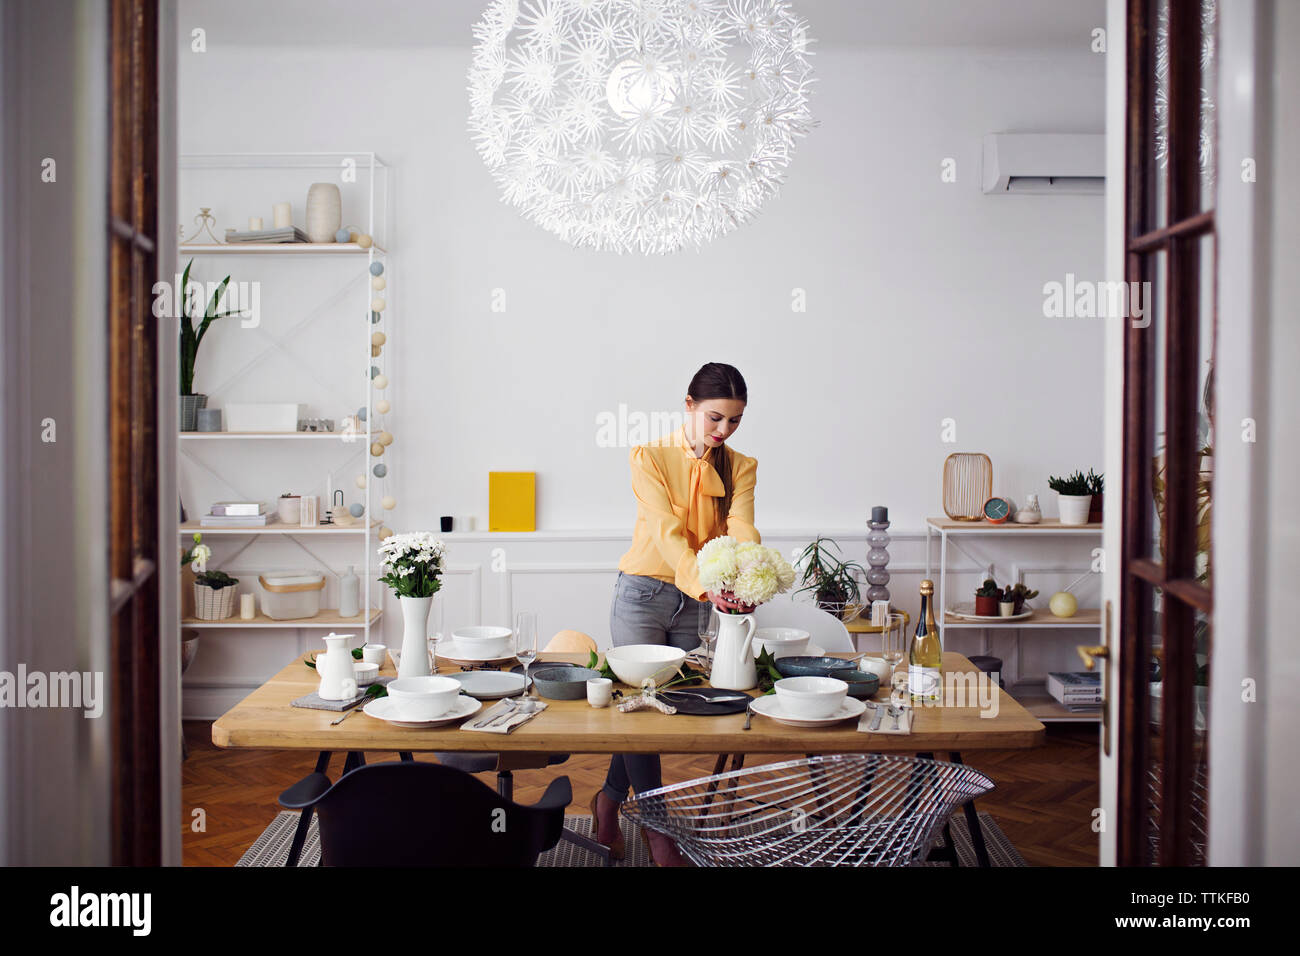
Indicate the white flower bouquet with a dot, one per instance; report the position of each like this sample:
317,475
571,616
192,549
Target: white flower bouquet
413,562
750,572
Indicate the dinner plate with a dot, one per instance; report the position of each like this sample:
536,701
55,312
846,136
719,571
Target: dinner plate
386,709
489,685
771,707
450,650
690,703
967,612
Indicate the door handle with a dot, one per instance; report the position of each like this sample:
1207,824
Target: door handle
1090,654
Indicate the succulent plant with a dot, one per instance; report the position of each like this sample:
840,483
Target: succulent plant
216,580
1076,484
989,589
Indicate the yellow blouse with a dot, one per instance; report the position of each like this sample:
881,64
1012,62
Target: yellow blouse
676,513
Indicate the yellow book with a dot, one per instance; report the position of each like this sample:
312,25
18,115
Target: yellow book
512,501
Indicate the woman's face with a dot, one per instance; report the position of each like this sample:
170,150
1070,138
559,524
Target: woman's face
714,420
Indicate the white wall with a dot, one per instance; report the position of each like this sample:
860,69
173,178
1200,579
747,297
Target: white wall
923,300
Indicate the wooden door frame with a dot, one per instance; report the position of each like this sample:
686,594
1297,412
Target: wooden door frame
1178,240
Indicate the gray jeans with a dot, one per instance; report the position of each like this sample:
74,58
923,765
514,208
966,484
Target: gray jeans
646,610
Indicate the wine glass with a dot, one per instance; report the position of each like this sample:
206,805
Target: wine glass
525,640
893,640
708,630
435,622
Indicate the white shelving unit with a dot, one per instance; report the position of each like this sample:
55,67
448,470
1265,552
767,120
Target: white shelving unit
257,180
1032,694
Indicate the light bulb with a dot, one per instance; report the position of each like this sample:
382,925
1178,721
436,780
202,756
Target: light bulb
636,85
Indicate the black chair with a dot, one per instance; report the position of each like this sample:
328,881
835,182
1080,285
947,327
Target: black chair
406,813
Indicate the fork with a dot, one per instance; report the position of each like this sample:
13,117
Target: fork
484,721
749,714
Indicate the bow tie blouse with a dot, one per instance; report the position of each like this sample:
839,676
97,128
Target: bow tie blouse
676,496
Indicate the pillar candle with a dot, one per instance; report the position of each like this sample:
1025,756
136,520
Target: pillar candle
283,212
246,610
254,223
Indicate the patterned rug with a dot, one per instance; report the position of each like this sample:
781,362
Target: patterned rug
272,847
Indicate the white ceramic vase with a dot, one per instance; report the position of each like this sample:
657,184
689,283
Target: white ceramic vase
415,637
324,212
733,654
1075,508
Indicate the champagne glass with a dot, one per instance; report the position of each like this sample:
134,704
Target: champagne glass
708,630
893,640
525,639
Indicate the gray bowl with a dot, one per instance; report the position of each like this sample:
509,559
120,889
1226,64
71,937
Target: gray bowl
862,684
812,666
562,683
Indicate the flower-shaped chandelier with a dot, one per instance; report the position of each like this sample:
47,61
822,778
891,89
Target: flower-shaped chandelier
639,125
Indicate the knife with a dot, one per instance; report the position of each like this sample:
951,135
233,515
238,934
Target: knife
875,719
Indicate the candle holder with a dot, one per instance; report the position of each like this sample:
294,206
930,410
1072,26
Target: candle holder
878,555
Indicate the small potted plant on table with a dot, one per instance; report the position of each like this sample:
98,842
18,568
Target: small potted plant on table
1007,601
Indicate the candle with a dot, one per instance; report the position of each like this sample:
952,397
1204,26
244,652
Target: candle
254,223
246,610
283,213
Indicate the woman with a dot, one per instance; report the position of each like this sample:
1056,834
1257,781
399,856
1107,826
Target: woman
689,487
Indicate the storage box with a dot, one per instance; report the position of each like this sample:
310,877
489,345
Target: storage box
289,595
265,417
512,501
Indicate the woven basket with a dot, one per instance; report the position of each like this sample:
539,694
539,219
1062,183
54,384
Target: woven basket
214,605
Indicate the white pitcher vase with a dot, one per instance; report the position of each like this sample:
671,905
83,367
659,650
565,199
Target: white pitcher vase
733,656
415,637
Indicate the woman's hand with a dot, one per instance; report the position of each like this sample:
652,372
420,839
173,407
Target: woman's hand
726,601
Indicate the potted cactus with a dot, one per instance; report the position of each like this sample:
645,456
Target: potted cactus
1075,496
1007,602
214,595
1019,595
986,599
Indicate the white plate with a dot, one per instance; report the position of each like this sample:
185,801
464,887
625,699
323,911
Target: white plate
385,708
450,650
771,707
810,650
489,685
967,612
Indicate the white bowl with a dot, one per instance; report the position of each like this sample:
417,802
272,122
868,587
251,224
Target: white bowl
365,672
878,666
423,698
781,641
633,663
486,639
811,697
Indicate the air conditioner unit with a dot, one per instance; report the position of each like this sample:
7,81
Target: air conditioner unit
1045,163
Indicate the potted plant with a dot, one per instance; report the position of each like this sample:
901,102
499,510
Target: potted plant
1007,602
1019,595
192,338
192,560
1075,496
986,599
1097,487
214,595
413,570
832,581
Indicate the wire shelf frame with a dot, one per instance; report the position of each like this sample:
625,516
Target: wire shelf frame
835,810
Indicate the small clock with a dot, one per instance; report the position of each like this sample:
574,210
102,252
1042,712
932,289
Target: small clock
997,510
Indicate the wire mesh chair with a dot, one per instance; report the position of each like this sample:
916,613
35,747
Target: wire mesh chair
834,810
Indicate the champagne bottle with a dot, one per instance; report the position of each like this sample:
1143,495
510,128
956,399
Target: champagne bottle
924,658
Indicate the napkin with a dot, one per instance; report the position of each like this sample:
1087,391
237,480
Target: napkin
316,702
503,726
886,722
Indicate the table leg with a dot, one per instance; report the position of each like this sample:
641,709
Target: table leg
973,824
304,816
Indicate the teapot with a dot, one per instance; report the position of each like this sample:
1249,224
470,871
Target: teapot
338,679
733,655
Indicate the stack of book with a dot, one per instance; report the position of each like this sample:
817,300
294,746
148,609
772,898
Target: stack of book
1077,691
237,514
285,234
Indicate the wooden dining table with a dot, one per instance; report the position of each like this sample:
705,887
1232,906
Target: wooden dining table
266,720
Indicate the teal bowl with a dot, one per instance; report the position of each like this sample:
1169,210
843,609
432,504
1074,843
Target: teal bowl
862,684
812,666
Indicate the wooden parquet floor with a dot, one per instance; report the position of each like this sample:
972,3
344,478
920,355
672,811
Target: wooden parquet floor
1044,798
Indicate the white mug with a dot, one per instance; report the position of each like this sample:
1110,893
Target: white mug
374,653
599,691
